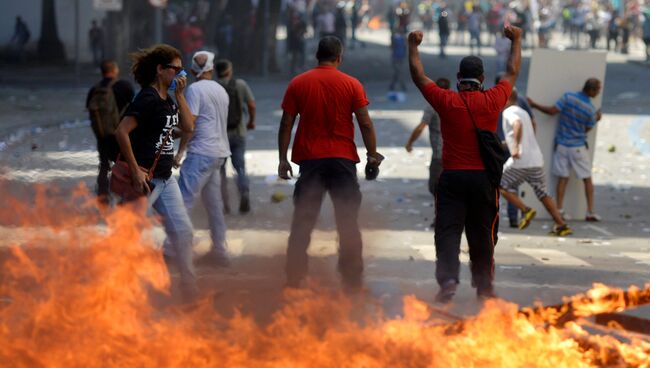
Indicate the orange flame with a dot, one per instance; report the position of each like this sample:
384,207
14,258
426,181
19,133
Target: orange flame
73,294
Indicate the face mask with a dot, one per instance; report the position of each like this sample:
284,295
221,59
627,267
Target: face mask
469,80
182,73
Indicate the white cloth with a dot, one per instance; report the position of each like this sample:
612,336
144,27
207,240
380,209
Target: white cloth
208,101
205,67
530,154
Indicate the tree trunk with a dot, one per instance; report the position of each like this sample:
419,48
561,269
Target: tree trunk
50,47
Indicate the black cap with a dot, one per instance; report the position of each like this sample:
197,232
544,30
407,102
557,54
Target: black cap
471,67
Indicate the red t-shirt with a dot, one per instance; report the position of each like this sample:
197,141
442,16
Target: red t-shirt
460,149
325,99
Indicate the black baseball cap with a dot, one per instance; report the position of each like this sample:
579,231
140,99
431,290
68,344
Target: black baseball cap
471,67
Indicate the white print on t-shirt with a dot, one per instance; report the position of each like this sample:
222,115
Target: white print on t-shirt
172,121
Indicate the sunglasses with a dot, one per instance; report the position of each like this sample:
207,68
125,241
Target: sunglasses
177,69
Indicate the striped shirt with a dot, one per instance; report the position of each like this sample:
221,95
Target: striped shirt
577,114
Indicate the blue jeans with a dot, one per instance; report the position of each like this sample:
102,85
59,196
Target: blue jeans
166,199
201,175
237,149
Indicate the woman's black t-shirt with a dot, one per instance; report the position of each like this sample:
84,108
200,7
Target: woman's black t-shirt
155,118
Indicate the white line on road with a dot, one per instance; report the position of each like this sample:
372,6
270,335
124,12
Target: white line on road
428,252
553,257
640,257
599,229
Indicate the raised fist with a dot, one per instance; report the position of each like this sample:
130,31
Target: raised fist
415,38
512,32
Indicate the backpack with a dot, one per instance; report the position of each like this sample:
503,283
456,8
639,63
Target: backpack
234,106
103,110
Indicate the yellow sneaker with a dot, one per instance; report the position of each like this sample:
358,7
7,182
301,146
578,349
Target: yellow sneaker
563,230
529,214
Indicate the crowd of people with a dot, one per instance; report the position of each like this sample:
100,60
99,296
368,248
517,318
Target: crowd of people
471,131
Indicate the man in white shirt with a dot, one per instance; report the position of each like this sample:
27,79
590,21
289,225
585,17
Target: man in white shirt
526,164
207,150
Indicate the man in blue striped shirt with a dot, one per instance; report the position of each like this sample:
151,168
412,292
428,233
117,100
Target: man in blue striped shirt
577,117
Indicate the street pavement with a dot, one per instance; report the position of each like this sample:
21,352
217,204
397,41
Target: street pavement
45,138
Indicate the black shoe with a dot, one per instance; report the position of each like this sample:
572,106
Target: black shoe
244,204
485,293
514,223
352,284
212,260
446,292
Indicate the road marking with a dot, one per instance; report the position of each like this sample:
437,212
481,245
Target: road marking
552,257
599,229
640,257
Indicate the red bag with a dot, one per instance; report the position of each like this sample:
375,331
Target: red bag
121,181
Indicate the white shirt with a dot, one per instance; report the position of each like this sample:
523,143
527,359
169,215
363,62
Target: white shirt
208,101
530,154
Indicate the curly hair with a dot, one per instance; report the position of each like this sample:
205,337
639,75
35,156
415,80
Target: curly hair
146,61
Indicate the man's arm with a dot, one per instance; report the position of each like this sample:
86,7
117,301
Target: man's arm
514,59
185,138
367,131
284,138
549,110
415,64
415,135
251,114
516,130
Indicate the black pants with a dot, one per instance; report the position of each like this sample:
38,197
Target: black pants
108,149
466,200
339,178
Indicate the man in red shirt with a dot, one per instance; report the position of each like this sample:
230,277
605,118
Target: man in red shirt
465,198
324,148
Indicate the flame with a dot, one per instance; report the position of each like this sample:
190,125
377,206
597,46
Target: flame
74,294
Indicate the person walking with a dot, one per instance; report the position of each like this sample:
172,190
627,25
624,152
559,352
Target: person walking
466,194
474,25
577,117
443,30
96,40
144,131
207,150
106,101
526,164
431,119
242,103
398,55
324,148
646,34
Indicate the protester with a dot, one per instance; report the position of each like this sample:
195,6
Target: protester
466,197
106,101
142,133
207,150
513,211
474,23
526,164
96,40
431,119
646,33
296,30
242,103
398,55
19,39
324,148
577,117
443,31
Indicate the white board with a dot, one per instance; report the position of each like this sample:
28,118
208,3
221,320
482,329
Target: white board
551,74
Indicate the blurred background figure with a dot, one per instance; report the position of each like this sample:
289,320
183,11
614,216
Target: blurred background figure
19,39
96,41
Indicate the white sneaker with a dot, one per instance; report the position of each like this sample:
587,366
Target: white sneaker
592,217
